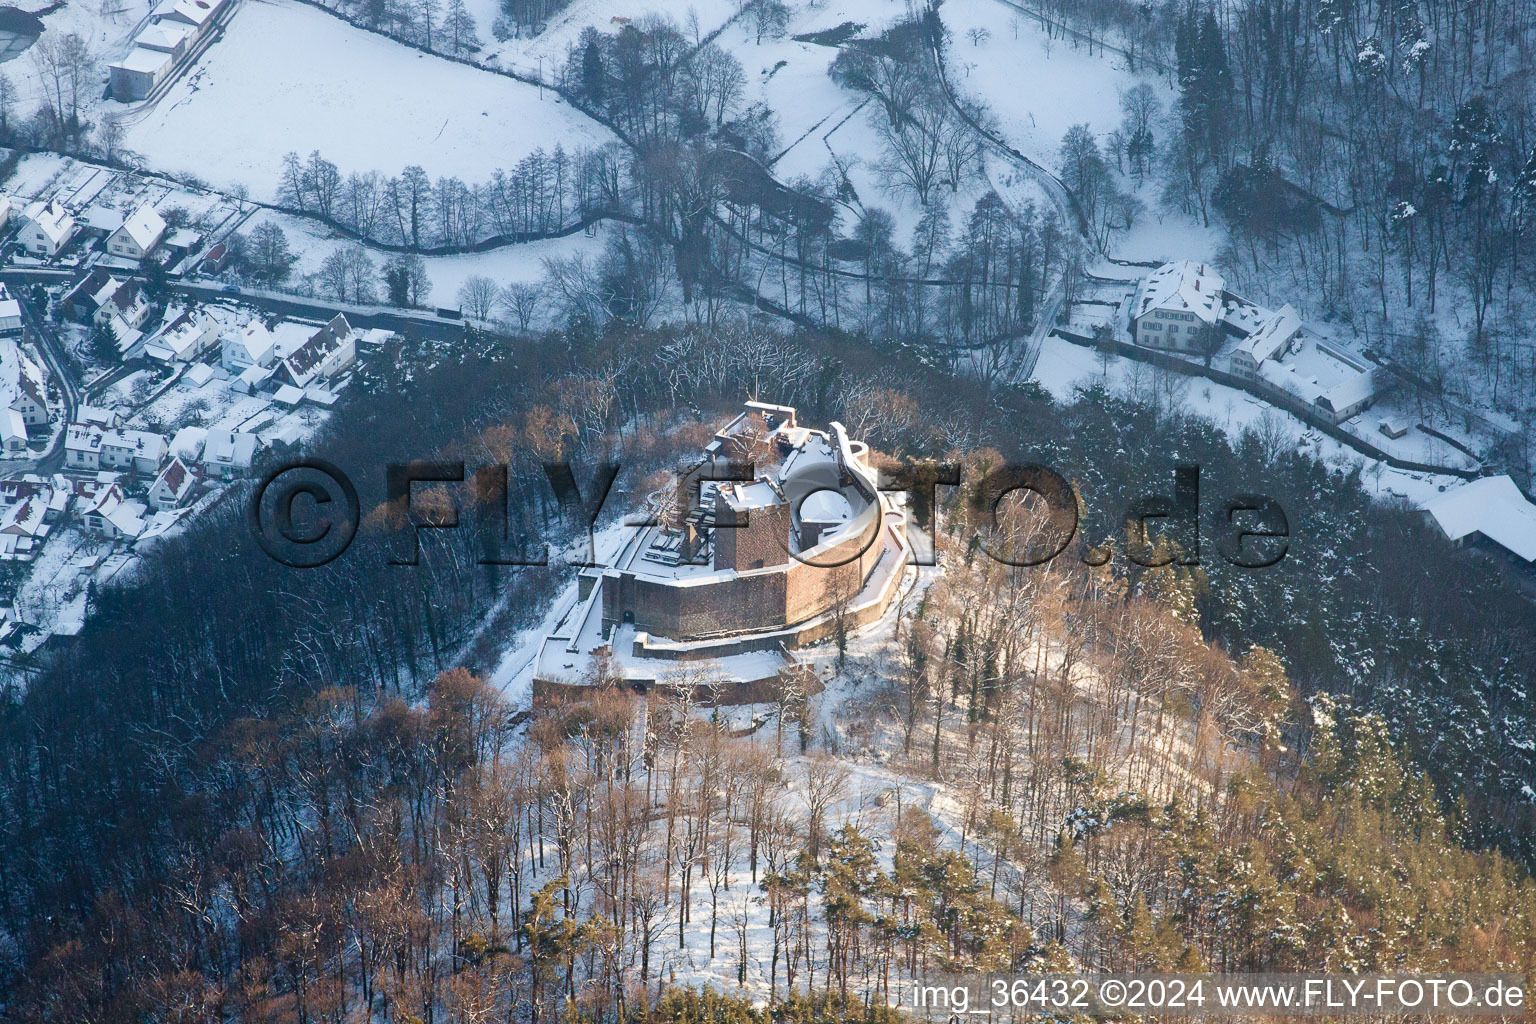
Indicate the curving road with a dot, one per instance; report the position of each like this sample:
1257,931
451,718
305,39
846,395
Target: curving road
54,354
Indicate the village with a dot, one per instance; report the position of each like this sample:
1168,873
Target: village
131,397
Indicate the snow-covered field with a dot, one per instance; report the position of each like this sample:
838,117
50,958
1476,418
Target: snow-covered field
1037,87
289,78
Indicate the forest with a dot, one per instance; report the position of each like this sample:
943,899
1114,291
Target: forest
256,793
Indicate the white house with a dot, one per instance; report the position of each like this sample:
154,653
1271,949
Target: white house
1349,396
126,299
252,346
1269,341
172,487
10,313
139,451
1178,307
21,385
13,432
48,227
228,453
139,235
23,527
82,447
326,353
183,339
109,514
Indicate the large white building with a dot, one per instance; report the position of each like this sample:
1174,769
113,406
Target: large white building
1178,308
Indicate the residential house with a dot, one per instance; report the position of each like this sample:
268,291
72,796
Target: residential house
173,487
47,229
23,528
139,235
79,303
138,451
1269,341
326,353
55,493
13,432
125,299
10,313
21,385
183,339
1350,396
1178,308
252,346
82,447
228,453
108,513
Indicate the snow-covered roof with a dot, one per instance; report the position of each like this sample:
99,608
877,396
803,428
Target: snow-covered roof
175,478
177,339
126,334
25,518
194,12
12,425
1272,335
164,35
256,340
83,437
19,376
1492,506
1183,287
187,443
230,448
95,414
288,395
102,218
254,375
144,226
143,60
52,220
1351,391
142,444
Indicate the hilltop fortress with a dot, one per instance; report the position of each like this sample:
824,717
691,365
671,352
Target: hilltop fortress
777,537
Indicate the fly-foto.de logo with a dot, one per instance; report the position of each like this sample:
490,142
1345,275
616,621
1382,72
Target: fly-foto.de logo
306,513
